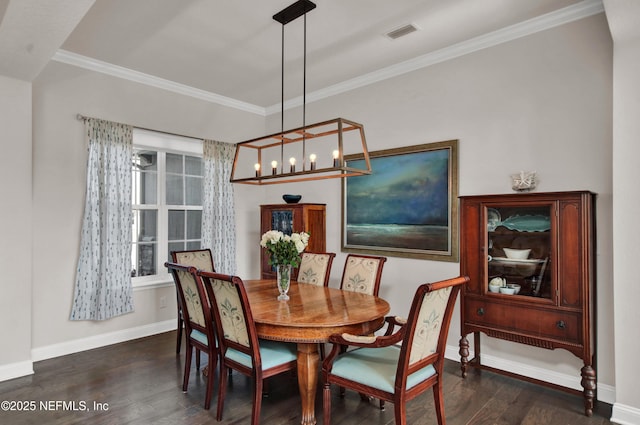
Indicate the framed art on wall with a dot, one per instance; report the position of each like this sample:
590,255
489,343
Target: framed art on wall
407,206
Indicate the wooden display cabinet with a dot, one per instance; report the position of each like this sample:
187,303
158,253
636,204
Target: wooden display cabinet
554,305
293,218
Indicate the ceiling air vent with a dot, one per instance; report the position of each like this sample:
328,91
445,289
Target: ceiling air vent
402,31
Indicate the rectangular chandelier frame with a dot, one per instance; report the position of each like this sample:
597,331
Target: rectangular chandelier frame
337,137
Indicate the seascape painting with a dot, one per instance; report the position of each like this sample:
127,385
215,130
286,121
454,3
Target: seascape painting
407,206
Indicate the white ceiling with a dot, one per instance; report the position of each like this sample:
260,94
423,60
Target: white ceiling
231,50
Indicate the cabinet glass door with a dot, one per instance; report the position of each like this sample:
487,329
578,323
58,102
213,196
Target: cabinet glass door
520,250
282,220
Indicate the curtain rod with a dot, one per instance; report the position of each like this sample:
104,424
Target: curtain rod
81,117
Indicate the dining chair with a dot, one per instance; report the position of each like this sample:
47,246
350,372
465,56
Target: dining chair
201,259
315,268
240,348
362,273
381,368
198,323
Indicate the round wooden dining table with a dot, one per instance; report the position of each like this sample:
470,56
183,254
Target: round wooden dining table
310,316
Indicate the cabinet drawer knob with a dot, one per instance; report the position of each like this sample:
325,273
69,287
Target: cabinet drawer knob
480,311
560,324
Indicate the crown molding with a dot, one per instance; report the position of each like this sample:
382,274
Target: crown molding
91,64
563,16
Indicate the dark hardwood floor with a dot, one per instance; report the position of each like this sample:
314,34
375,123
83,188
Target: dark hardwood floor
139,382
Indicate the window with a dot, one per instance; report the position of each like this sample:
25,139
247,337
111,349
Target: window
167,179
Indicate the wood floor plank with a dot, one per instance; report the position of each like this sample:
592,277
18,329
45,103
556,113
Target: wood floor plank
140,382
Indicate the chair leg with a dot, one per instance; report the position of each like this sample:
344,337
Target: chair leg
187,367
179,337
197,359
400,412
222,390
257,401
343,349
212,366
439,402
326,404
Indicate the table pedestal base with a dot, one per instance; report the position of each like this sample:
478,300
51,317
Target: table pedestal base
308,361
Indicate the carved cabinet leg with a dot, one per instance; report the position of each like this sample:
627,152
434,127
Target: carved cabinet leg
588,382
464,355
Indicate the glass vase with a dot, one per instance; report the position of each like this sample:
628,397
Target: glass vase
284,280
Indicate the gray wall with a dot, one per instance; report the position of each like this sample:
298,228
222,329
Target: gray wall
15,227
626,173
59,170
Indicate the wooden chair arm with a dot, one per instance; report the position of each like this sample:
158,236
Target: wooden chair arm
365,341
392,322
389,337
342,341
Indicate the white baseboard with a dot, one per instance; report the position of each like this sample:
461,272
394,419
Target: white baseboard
16,370
96,341
625,415
606,393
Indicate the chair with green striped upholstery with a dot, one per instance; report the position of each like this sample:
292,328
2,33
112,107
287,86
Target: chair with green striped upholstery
400,365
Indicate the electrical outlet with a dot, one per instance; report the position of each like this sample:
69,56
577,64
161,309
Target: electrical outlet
163,302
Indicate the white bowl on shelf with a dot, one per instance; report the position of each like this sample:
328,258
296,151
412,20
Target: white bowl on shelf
515,286
507,290
517,254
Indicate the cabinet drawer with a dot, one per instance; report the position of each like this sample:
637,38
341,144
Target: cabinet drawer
534,322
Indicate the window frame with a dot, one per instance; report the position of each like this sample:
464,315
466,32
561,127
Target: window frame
169,143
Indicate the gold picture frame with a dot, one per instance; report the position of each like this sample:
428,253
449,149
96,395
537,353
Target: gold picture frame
408,205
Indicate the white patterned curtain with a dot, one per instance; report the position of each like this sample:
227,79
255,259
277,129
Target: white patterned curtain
103,281
218,212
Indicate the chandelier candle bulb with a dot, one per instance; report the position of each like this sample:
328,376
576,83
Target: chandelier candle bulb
336,156
312,159
257,167
292,161
274,167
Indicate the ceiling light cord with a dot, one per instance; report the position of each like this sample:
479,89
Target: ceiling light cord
304,96
282,106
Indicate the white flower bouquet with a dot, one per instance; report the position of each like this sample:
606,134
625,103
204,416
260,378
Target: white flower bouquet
284,249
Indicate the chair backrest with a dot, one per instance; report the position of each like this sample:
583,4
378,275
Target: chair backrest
427,326
193,299
362,273
315,268
232,315
201,259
